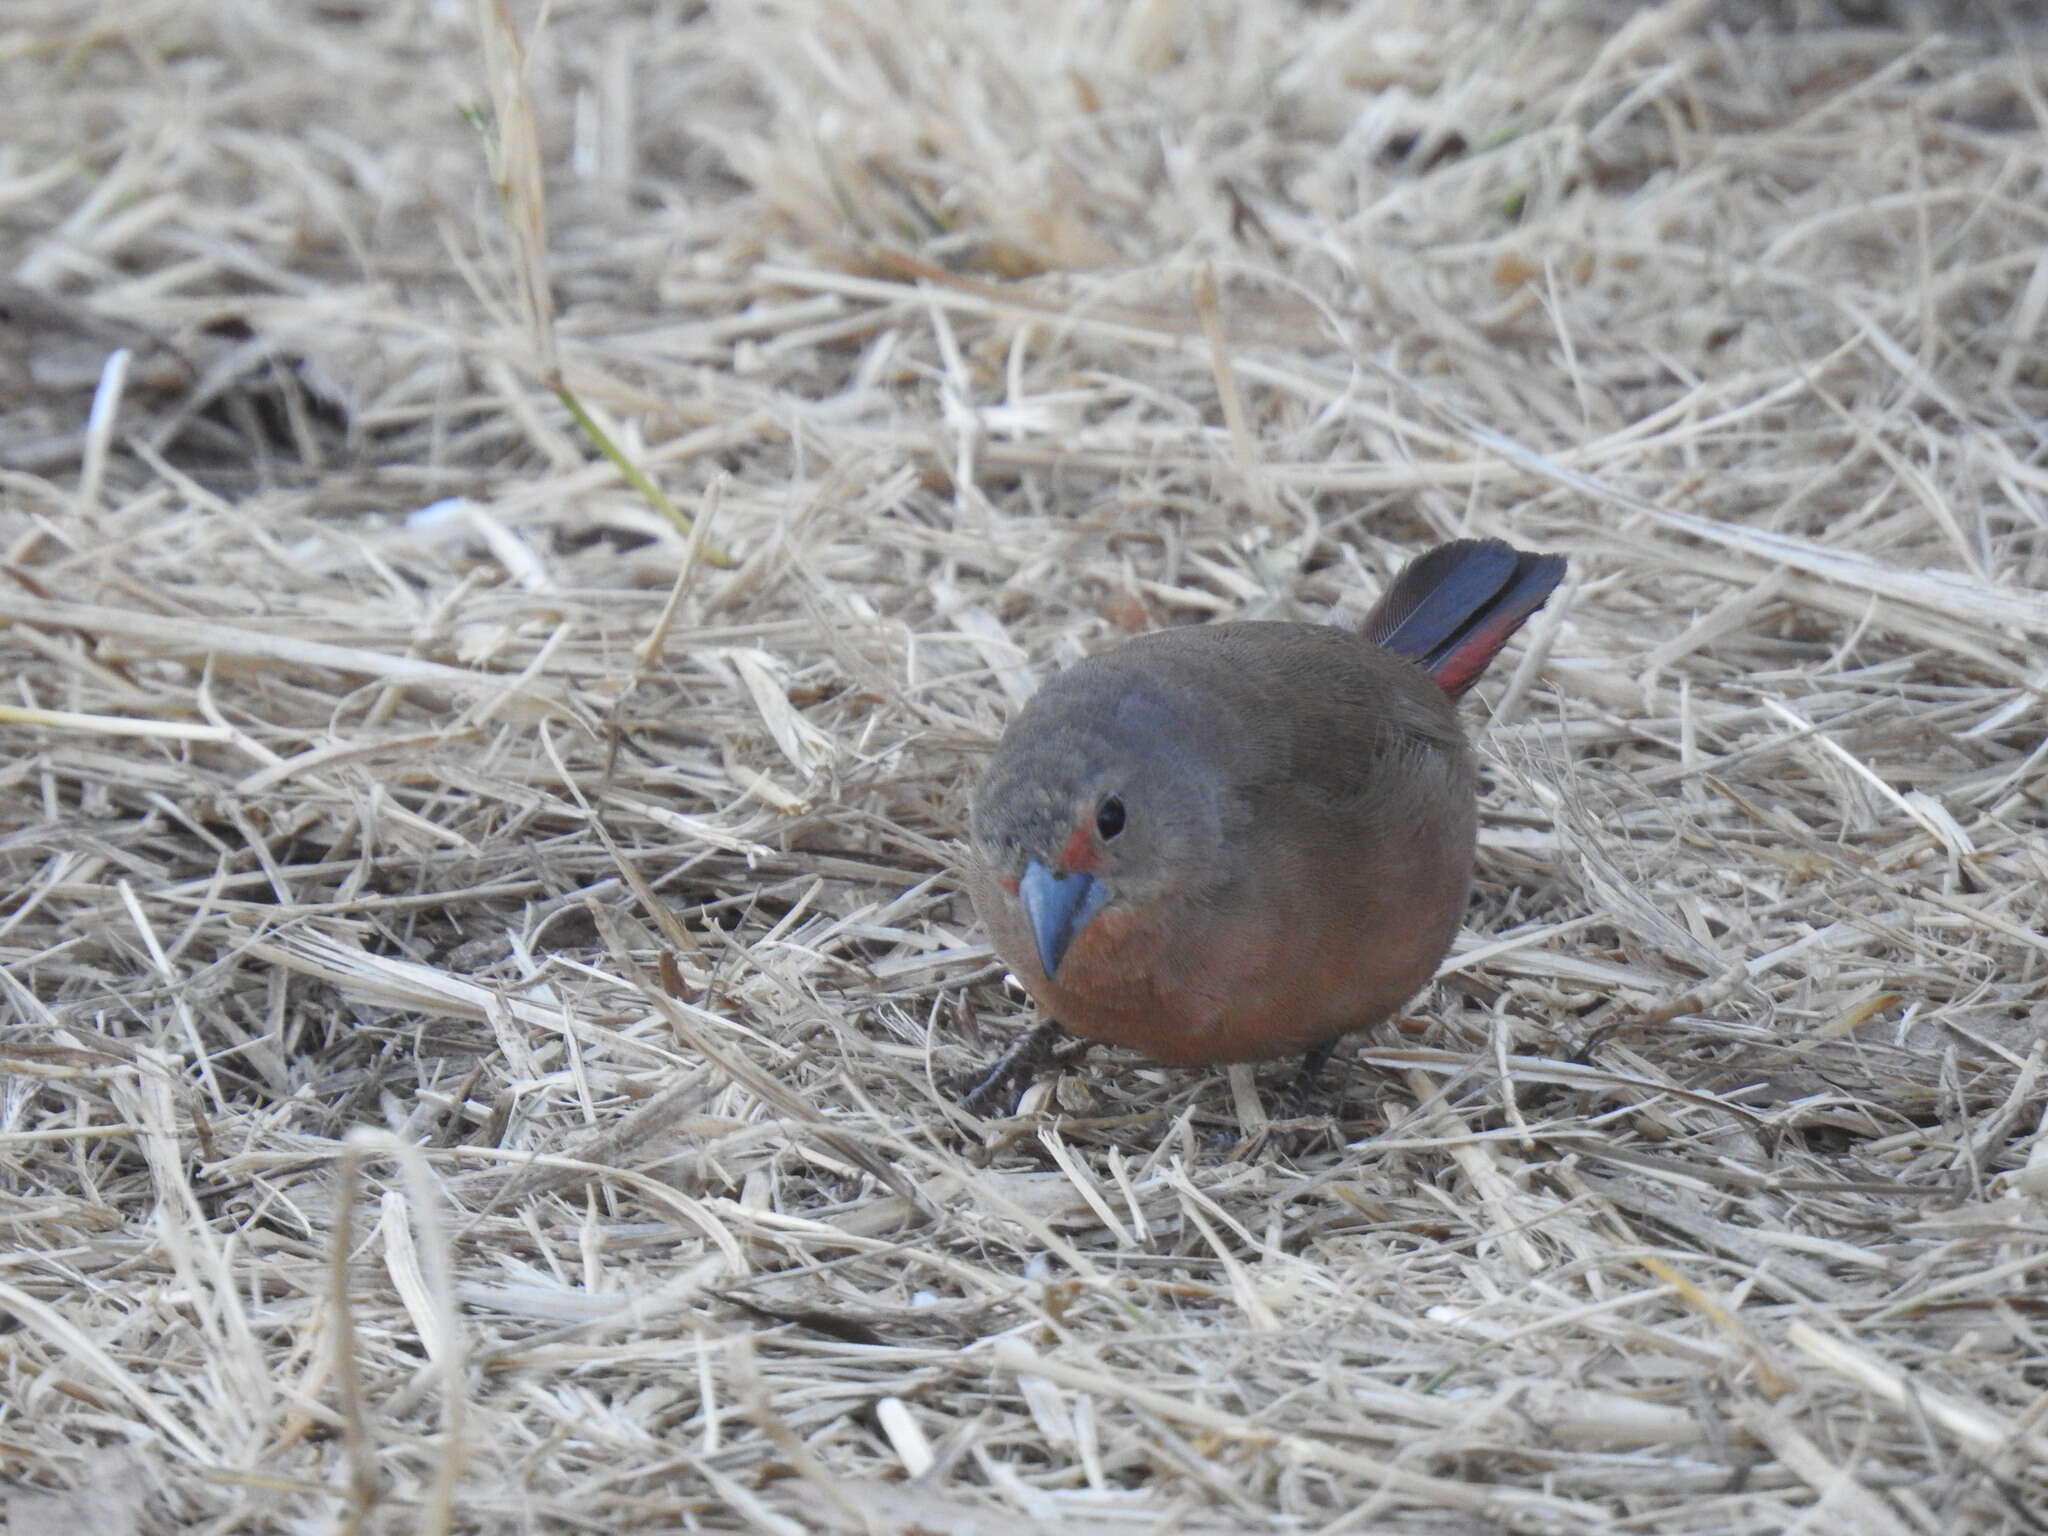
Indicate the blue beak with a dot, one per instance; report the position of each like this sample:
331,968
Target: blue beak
1058,907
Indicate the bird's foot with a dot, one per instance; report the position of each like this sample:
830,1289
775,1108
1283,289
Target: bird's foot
1301,1097
1022,1061
1300,1112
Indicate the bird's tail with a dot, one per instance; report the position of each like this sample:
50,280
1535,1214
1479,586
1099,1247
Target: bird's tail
1454,608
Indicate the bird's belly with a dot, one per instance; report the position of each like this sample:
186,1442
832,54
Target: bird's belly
1321,952
1248,993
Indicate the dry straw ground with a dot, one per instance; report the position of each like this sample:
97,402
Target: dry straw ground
483,977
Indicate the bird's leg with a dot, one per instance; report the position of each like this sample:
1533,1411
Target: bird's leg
1313,1061
1032,1051
1299,1092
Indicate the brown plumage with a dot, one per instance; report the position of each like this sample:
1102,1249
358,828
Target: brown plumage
1238,841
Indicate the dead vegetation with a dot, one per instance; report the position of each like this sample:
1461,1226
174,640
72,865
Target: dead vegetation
483,982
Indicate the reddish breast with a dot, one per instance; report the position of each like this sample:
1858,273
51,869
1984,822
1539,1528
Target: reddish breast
1242,992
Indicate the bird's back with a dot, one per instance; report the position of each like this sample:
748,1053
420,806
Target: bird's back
1307,704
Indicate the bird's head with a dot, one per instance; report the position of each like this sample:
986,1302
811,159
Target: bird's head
1103,796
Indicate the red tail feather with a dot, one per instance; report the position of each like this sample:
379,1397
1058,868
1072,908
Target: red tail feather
1453,608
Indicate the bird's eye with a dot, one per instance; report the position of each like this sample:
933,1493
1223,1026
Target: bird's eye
1109,818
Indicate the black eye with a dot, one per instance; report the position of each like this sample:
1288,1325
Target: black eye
1109,818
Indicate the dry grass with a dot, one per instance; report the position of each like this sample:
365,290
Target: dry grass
483,979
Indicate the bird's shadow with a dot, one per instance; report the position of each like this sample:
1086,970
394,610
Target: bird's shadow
1304,1111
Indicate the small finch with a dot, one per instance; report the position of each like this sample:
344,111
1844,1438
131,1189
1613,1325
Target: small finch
1232,842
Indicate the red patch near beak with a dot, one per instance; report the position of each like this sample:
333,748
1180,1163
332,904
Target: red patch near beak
1080,850
1008,883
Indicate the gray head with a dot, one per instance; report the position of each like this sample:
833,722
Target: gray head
1103,793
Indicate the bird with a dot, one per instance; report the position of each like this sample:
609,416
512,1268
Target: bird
1241,841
